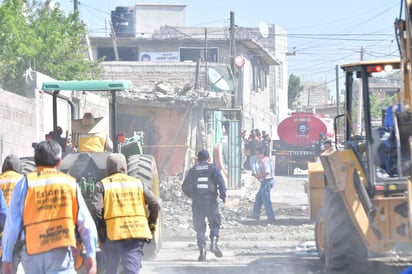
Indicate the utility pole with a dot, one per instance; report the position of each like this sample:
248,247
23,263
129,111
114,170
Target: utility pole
113,36
361,53
232,53
205,55
360,100
337,91
75,5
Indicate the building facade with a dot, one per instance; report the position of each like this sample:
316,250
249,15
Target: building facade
186,85
160,35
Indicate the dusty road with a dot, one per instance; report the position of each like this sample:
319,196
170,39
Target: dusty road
251,246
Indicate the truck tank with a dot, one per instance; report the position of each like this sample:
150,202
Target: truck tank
299,142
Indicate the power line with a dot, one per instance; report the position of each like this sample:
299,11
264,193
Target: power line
317,45
327,23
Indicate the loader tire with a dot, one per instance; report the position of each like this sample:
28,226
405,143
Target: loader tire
144,167
320,234
344,248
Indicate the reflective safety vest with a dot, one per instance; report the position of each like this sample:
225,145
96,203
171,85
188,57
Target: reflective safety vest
92,142
125,208
203,185
50,211
8,180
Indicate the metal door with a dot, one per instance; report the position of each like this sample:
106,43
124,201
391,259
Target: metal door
226,125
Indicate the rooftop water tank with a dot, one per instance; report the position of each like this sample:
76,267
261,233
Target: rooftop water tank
122,20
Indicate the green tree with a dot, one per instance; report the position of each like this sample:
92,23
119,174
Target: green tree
377,104
294,89
40,37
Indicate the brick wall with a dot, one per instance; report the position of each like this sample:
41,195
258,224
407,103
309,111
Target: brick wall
145,75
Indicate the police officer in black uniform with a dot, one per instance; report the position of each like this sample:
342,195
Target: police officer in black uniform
203,184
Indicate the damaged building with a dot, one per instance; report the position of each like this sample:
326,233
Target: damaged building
193,88
187,87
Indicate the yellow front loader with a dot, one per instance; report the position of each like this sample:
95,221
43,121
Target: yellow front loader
360,193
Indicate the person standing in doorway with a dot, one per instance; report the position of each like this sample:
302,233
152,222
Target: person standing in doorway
253,144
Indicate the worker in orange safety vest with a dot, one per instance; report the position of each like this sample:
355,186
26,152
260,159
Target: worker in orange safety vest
119,211
46,211
11,174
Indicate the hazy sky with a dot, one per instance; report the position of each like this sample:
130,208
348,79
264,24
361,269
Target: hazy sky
323,33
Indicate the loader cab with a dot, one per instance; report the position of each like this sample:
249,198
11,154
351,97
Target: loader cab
90,167
91,86
363,130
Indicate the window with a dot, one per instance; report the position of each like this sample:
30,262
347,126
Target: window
125,53
259,74
194,54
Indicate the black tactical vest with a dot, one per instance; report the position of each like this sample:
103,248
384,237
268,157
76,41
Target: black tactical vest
203,185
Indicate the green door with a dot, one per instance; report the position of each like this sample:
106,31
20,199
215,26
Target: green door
226,126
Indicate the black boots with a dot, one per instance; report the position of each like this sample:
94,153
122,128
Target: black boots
202,255
214,248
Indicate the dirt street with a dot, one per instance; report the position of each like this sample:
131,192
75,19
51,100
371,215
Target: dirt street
250,246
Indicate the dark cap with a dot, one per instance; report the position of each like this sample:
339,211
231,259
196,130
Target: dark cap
203,155
12,162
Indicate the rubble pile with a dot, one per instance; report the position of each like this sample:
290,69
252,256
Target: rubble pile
177,211
176,207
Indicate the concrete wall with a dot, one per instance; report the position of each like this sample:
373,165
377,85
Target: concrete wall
17,124
161,46
26,119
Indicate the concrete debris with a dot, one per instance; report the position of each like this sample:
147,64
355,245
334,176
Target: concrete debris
167,92
165,88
